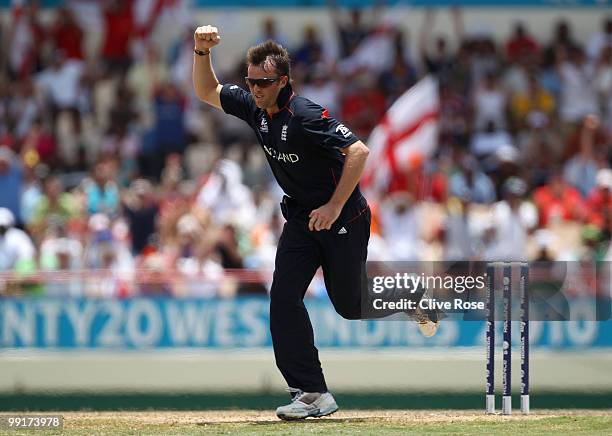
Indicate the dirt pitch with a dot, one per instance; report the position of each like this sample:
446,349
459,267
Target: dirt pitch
344,422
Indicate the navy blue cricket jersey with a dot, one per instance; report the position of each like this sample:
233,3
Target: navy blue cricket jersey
302,143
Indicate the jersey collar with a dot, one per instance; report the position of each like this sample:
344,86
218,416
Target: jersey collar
284,96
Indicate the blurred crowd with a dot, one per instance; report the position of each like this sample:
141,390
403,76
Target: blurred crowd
116,181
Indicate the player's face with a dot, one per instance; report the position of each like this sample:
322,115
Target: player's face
264,85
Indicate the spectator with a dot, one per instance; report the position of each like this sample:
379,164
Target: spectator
455,117
352,31
108,252
101,191
55,209
488,141
601,40
602,83
521,43
223,193
310,49
60,83
599,202
40,142
119,30
24,32
227,248
363,105
577,94
144,78
562,39
490,103
170,120
557,201
122,140
141,209
25,108
17,252
153,281
541,155
32,190
67,35
536,100
469,182
401,75
484,57
459,238
323,89
202,272
441,62
400,219
11,182
581,170
270,31
61,253
512,220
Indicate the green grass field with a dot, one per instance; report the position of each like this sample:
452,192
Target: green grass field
344,422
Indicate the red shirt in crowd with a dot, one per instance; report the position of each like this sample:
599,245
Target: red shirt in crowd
599,205
68,38
363,111
119,28
518,47
558,203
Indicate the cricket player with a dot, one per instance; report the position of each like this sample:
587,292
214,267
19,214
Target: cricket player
317,161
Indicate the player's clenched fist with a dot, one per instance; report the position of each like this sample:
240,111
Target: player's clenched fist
206,37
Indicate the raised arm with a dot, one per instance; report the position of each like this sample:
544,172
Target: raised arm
458,24
205,83
425,33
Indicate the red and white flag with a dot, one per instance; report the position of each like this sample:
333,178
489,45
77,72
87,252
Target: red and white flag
407,133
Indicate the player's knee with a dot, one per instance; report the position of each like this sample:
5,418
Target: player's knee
284,301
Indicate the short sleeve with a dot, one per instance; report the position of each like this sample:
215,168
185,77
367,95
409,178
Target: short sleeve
236,101
324,130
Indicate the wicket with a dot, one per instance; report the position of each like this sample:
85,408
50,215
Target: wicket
507,336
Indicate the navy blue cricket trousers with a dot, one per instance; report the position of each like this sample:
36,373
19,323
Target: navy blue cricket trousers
342,256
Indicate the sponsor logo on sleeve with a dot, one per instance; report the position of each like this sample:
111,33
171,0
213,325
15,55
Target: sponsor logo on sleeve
344,131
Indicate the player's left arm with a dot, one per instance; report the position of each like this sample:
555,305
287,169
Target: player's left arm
323,217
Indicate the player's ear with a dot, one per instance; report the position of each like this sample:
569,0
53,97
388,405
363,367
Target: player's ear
284,81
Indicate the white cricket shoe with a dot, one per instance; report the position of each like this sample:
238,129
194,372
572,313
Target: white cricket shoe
428,322
426,325
305,404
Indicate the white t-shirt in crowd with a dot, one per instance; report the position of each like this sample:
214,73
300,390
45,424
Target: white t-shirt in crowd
490,105
62,84
511,229
15,246
577,93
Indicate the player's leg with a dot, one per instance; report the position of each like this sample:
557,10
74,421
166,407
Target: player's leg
344,269
297,259
345,251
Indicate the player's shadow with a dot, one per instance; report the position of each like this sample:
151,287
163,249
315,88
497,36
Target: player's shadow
319,421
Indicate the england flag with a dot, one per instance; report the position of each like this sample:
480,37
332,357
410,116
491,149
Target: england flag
408,133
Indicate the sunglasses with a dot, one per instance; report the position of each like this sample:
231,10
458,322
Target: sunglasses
262,83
